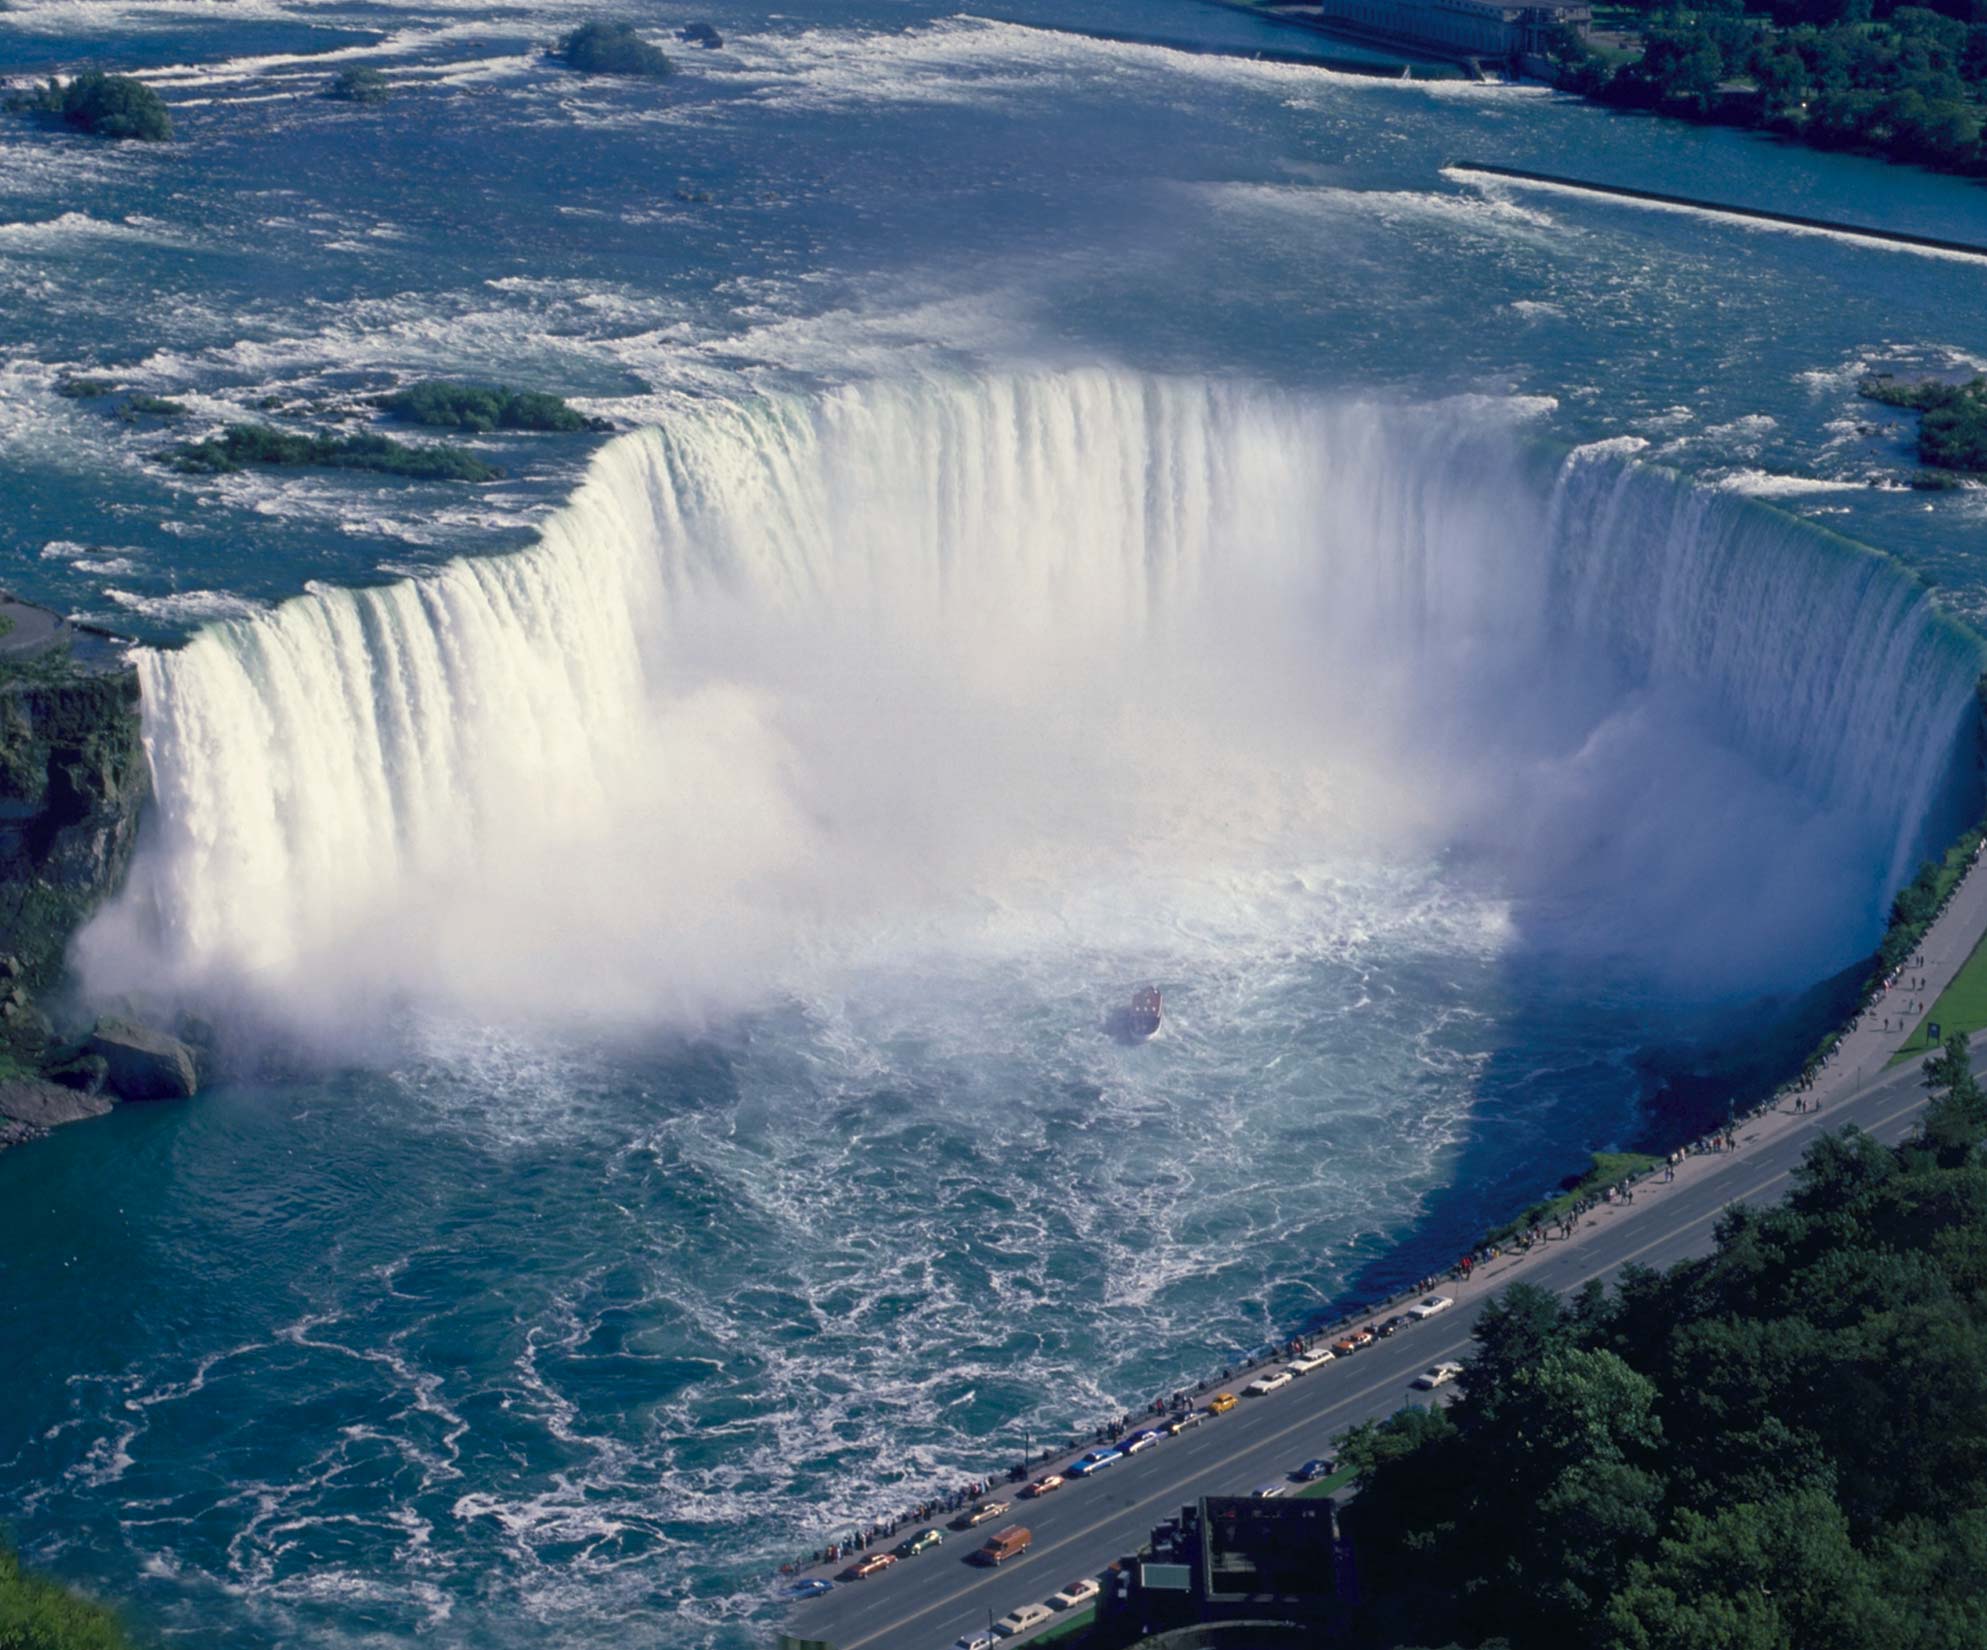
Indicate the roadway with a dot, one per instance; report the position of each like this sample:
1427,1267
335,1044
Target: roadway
927,1602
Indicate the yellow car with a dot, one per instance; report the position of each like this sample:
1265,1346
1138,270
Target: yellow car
1221,1403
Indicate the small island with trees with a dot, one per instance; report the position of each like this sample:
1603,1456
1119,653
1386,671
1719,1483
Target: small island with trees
1952,422
613,49
241,446
359,85
104,105
484,407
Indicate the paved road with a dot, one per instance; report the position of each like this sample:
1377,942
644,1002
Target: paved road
927,1602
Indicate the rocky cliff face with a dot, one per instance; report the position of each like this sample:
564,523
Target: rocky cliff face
72,782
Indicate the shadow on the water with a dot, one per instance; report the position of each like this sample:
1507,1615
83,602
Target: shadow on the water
1684,1090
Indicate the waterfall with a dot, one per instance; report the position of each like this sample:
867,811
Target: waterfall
799,674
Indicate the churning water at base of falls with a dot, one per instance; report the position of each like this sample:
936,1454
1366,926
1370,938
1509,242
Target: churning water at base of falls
1083,514
712,915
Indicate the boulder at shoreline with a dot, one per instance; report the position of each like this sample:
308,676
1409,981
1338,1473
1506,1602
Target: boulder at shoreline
144,1064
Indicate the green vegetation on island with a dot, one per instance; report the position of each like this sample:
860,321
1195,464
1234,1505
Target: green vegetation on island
83,389
1779,1446
151,406
1952,423
485,407
359,85
242,445
105,105
1906,82
39,1614
613,48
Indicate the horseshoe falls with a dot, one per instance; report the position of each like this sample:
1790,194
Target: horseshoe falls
1077,515
1031,668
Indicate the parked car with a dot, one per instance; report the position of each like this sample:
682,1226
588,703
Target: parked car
921,1542
1393,1325
1263,1385
1320,1466
1096,1461
812,1587
875,1564
1437,1375
1310,1361
978,1639
1271,1491
1185,1421
1429,1305
1344,1348
984,1512
1221,1403
1362,1337
1077,1592
1021,1620
1044,1484
1142,1440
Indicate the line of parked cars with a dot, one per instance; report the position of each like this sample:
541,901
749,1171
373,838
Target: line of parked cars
1027,1617
1014,1540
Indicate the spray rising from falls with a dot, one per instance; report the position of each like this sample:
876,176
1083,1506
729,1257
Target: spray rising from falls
1018,663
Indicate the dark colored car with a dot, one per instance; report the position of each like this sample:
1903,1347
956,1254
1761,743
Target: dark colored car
813,1587
1318,1467
1392,1325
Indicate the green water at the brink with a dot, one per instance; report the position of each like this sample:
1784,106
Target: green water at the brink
514,1336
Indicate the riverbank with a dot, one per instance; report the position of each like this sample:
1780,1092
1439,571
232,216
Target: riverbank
73,787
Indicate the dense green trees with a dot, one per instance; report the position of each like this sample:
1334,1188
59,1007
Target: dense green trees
241,445
1908,82
1952,431
1778,1447
106,105
36,1614
613,48
485,407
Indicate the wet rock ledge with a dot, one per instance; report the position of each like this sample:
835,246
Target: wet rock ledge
73,782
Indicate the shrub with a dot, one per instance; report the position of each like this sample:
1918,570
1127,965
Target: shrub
613,48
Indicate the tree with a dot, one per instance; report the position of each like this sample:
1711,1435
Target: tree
1956,1120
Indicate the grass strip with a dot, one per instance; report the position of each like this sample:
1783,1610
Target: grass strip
1610,1168
1962,1006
